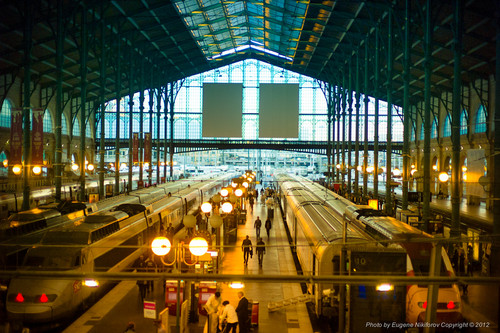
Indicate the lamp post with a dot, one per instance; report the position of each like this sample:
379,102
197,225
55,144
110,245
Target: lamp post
161,246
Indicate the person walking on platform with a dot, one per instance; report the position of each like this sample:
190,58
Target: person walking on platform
141,267
246,247
130,327
261,250
242,311
268,225
230,317
257,225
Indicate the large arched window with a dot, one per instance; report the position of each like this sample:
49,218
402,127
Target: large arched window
422,133
447,127
47,121
76,127
464,120
434,130
5,114
412,134
64,125
88,133
480,126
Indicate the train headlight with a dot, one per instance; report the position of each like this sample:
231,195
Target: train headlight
423,305
91,283
385,287
161,246
452,305
19,298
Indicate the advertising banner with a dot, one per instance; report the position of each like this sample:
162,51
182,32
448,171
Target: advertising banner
135,147
37,138
16,136
147,148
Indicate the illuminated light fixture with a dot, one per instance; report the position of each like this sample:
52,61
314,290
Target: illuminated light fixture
245,184
238,192
123,165
16,169
434,167
338,166
161,246
452,305
412,172
373,203
37,170
91,283
224,192
146,165
213,253
382,170
198,246
396,172
233,184
369,169
464,176
206,207
359,168
227,207
464,168
384,287
249,179
5,163
236,285
74,167
412,166
443,177
90,167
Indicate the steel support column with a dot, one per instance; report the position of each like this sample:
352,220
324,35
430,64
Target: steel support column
496,159
349,132
388,160
376,118
406,105
59,100
343,165
367,101
151,104
356,145
158,117
102,97
141,125
171,146
130,119
427,114
116,190
83,99
338,113
329,144
28,44
455,119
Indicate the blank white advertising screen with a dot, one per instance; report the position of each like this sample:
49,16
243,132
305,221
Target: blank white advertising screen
222,105
279,110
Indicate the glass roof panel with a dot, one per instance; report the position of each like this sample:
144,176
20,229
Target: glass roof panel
272,27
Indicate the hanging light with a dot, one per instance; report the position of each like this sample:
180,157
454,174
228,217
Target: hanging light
206,207
16,169
224,192
90,167
443,177
37,170
227,207
74,167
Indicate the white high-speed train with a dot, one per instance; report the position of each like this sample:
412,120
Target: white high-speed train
417,245
107,241
316,235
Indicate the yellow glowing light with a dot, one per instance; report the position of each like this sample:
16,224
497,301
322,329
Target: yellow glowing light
37,170
370,169
236,285
396,172
224,192
443,177
413,171
90,167
238,192
338,166
434,167
245,184
198,246
206,207
5,163
16,169
91,283
373,203
74,167
464,168
385,287
227,207
161,246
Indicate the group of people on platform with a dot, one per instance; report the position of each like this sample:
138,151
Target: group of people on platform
224,317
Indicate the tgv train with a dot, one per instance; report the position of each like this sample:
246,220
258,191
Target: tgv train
108,241
317,237
417,245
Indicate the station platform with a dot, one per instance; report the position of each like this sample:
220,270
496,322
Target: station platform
123,303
